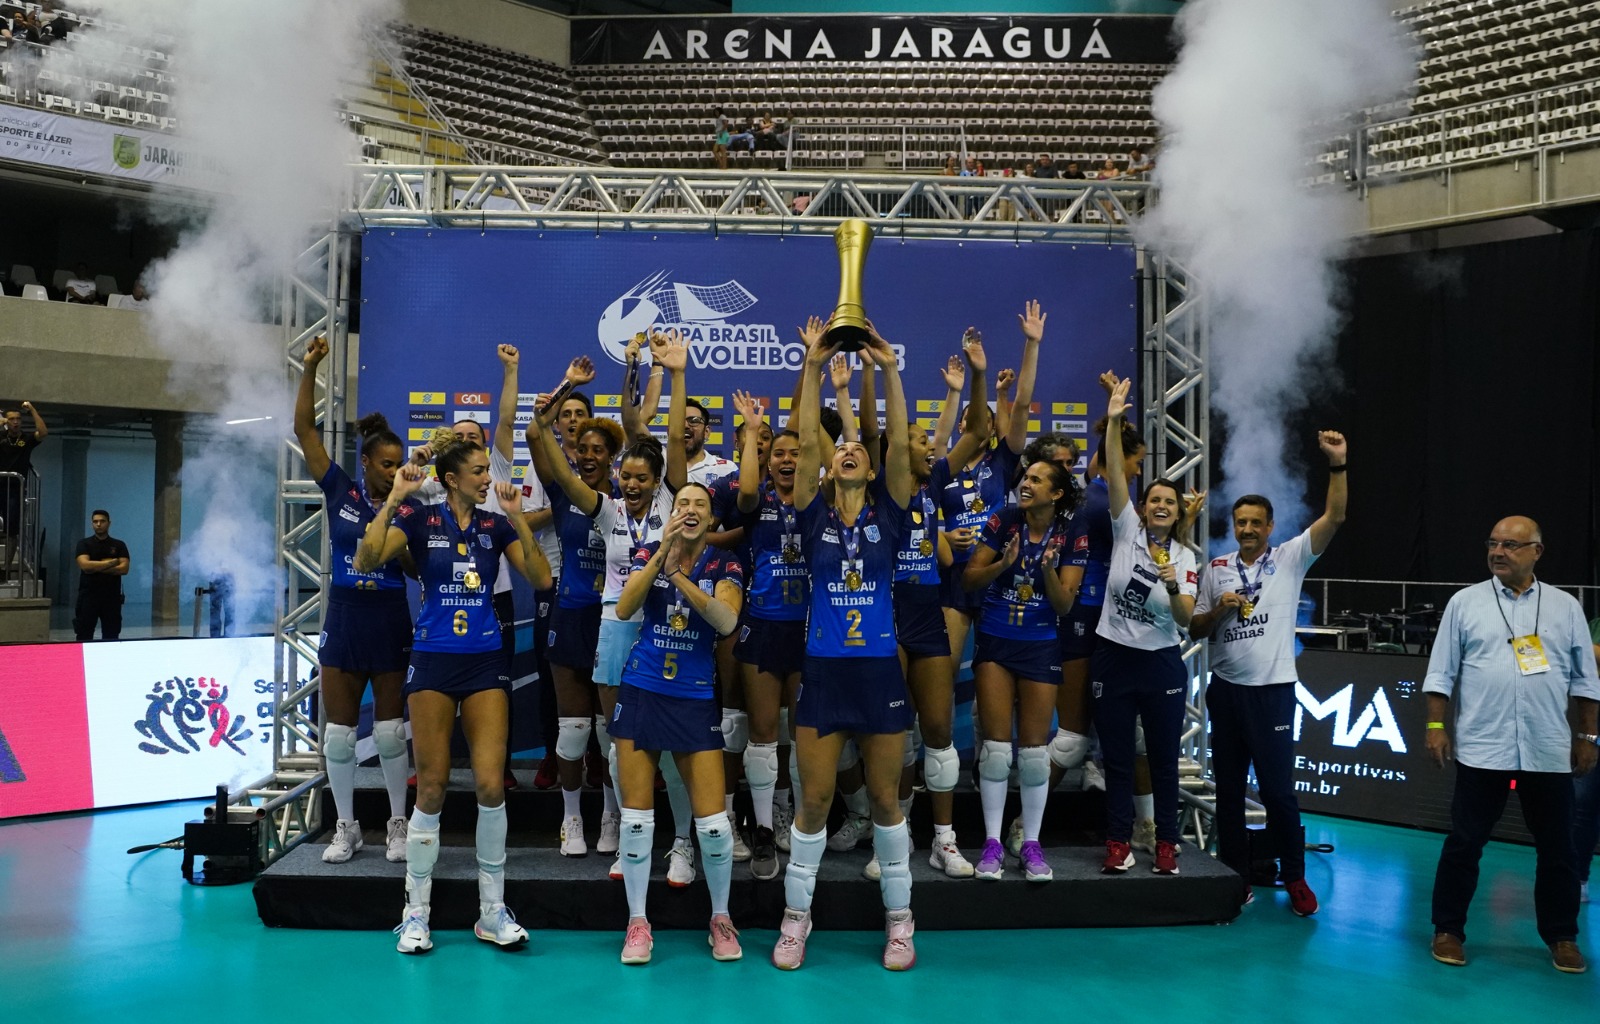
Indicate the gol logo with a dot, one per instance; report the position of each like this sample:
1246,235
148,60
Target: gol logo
473,398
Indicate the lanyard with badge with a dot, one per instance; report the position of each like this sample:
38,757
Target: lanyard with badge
1022,583
1529,649
790,542
1251,590
852,553
637,536
470,578
927,522
969,483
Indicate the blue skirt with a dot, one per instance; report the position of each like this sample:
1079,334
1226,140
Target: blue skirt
574,637
366,636
656,721
457,675
857,695
1036,660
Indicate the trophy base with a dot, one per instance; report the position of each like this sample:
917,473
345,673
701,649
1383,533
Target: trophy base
848,337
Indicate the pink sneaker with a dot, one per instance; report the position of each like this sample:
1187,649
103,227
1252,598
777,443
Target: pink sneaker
724,939
790,952
899,952
636,947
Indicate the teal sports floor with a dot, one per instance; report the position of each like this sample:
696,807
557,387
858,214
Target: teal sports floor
89,933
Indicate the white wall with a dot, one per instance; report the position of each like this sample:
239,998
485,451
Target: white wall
503,23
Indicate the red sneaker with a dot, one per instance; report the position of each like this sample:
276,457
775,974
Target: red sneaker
412,782
510,781
1301,899
546,777
1119,858
1166,858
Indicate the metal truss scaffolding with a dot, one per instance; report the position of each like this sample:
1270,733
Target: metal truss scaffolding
1173,352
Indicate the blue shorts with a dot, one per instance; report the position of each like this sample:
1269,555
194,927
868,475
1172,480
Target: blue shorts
859,695
612,650
1077,631
366,633
574,637
657,721
1035,660
953,595
457,675
919,620
776,647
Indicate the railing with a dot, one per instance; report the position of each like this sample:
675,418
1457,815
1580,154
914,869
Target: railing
447,147
95,86
1403,611
19,539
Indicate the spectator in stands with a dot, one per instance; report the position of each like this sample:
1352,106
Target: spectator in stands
1073,171
1044,168
800,203
140,299
16,457
745,139
1027,169
80,287
1526,703
102,562
969,168
952,167
719,142
1108,170
25,28
1139,163
766,132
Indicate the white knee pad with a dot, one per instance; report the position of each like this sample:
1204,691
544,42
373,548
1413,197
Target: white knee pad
761,765
735,730
994,762
339,744
849,756
572,738
1138,738
1068,749
390,736
602,736
785,738
941,769
909,756
1033,766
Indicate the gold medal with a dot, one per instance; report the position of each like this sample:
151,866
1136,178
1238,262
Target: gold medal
791,553
678,621
471,580
978,505
1025,593
1161,556
1247,609
852,579
925,547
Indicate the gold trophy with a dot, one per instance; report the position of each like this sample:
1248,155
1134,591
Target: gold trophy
848,327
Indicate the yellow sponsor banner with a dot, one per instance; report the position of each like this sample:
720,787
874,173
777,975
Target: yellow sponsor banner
428,398
419,433
607,401
1070,408
1033,426
714,438
784,403
930,405
928,422
711,401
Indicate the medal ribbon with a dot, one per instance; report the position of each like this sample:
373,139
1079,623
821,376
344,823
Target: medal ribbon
467,536
852,543
1252,589
638,536
1029,561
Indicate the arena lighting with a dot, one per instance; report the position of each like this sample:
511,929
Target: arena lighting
252,419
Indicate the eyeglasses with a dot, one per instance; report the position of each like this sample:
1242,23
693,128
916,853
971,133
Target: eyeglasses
694,421
1510,546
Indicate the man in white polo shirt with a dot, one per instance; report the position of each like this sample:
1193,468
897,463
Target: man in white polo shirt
1247,605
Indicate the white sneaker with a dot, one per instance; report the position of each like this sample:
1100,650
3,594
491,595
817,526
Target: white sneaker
741,849
345,842
496,924
572,842
413,930
610,832
946,856
1014,837
782,818
873,871
395,844
1093,777
616,870
855,831
680,864
1144,835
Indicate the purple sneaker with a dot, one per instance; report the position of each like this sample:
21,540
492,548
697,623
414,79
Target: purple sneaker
992,864
1034,869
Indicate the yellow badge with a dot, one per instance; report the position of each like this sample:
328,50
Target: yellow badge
461,548
1530,655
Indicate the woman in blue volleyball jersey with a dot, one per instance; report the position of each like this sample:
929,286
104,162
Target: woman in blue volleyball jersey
1017,658
852,682
457,666
1137,672
366,632
687,595
968,492
771,647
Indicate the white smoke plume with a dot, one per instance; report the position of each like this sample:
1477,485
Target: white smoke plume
1256,86
257,108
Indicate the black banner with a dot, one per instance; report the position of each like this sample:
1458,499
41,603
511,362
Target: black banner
1360,744
1125,39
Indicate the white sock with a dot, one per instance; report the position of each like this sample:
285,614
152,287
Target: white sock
858,804
893,847
805,855
794,777
491,842
610,792
783,798
905,808
1033,801
569,803
993,792
633,846
395,772
727,805
1144,806
422,852
678,797
341,773
716,851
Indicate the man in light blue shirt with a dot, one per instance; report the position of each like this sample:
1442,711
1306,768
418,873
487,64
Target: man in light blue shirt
1522,678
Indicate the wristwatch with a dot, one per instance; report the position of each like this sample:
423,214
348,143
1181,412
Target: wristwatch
1588,738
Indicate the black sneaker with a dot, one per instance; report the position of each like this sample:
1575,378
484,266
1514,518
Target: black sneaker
763,855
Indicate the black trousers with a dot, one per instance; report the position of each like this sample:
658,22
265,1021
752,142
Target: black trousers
93,608
1255,724
1479,801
